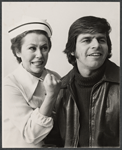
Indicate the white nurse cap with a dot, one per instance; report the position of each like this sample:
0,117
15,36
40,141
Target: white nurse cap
27,24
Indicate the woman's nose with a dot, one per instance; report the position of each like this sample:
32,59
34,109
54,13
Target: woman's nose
38,53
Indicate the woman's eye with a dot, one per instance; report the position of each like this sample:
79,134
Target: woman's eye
32,48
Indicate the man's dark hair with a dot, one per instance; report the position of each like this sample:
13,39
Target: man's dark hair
17,42
87,24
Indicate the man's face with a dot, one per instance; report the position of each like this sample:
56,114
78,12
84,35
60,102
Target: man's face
91,50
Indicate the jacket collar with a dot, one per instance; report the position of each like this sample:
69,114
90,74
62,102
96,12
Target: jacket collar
111,74
27,81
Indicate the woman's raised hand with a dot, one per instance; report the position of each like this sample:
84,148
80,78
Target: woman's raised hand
52,85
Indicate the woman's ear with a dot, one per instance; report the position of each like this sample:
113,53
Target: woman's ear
18,54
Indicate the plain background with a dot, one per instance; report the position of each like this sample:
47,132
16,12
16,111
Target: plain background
60,16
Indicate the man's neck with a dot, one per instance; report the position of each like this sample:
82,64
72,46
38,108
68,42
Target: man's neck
85,72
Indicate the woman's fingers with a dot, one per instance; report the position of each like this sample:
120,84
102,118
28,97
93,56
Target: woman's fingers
52,84
51,79
54,79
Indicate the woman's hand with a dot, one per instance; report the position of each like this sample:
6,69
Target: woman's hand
52,85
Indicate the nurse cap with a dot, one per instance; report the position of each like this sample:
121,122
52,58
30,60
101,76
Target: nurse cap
27,24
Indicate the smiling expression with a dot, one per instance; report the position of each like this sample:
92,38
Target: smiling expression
91,50
34,53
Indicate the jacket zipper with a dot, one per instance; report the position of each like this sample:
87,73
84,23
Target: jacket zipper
77,135
90,113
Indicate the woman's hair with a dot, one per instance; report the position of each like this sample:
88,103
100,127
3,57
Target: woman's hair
87,24
17,42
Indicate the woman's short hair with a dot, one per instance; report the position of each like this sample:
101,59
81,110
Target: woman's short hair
87,24
16,43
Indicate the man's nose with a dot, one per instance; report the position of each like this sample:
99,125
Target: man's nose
95,43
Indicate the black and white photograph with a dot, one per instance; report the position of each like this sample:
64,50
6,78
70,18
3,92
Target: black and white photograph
60,74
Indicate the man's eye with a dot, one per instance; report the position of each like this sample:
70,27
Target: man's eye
102,41
86,41
44,49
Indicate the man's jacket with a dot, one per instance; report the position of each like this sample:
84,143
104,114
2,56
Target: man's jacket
103,112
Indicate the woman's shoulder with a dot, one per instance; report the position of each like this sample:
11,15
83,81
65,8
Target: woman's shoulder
11,78
54,73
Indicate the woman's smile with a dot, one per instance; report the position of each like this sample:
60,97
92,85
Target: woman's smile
38,63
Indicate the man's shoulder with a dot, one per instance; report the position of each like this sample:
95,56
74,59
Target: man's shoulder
112,72
111,63
67,78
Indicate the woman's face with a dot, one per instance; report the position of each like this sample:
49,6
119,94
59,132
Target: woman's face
34,53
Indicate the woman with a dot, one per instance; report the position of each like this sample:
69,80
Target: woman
31,90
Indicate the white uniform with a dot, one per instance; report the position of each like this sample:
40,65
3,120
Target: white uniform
23,125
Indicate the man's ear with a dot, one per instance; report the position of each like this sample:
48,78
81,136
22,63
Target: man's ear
109,55
72,54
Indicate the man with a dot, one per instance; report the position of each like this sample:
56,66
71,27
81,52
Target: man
87,111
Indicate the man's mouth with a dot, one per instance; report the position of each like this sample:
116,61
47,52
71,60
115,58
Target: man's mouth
95,54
